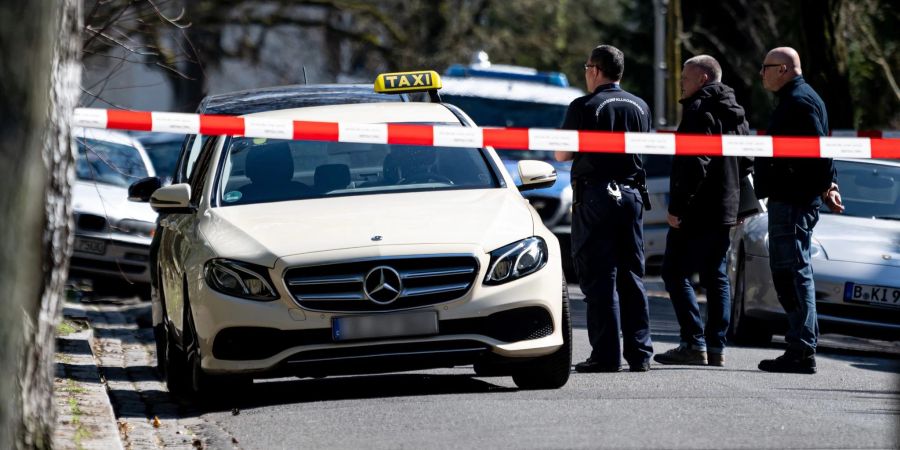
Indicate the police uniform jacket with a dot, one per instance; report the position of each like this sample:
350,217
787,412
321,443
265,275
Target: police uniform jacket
608,108
800,112
705,190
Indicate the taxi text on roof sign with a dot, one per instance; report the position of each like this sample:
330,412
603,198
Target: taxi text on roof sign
399,82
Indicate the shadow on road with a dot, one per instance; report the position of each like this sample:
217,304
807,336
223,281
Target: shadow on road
264,393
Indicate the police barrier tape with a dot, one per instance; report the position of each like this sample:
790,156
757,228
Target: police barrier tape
501,138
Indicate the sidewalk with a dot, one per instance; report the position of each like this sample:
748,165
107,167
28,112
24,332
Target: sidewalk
118,347
84,415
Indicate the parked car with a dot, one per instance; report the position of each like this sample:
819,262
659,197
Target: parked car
855,258
112,235
311,258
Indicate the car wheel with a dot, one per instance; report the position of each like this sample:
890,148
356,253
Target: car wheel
174,364
551,371
202,385
745,330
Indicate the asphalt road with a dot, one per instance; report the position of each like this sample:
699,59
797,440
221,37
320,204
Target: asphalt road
853,402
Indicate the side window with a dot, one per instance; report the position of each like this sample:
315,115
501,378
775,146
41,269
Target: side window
201,168
189,154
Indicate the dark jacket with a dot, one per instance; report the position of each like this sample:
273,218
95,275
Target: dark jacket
705,190
800,112
608,108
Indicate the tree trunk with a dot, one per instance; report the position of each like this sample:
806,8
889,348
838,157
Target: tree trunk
39,78
825,59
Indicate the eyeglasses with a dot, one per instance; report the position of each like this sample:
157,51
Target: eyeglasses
588,66
766,66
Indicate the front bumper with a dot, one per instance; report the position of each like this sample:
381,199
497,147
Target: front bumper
295,340
830,279
123,257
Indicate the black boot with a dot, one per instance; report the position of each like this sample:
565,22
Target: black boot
592,366
792,361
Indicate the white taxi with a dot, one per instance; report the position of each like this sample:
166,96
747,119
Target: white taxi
312,258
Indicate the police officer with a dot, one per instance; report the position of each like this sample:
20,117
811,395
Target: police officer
607,216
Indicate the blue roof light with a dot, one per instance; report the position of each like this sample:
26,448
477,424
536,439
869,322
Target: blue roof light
523,74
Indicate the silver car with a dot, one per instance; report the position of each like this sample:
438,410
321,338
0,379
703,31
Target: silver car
855,258
112,235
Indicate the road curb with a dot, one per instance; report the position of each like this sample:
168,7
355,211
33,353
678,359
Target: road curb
85,416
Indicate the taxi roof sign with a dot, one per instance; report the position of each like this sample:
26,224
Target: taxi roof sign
400,82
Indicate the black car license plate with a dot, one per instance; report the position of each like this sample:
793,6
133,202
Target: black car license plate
872,295
94,246
384,325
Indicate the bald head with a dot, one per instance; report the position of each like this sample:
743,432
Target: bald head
786,56
779,67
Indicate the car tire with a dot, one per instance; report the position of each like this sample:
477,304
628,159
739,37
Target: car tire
551,371
745,330
174,366
201,385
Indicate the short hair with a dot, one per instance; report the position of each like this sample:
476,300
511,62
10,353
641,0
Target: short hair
610,60
708,65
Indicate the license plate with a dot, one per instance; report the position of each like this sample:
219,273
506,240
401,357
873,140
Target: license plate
873,295
385,325
94,246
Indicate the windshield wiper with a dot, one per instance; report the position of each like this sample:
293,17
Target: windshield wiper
887,217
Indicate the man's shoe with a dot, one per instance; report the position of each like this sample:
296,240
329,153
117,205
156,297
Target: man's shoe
682,355
790,362
716,359
639,367
591,366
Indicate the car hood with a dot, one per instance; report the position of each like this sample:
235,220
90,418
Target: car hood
108,201
261,233
859,239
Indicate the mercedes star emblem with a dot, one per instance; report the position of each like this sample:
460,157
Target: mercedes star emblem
383,285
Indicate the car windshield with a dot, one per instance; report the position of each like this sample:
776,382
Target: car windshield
270,170
108,163
869,190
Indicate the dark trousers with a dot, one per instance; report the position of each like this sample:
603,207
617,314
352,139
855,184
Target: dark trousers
702,250
790,236
608,255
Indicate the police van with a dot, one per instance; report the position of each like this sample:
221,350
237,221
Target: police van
313,258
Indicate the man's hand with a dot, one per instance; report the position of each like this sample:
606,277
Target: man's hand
832,198
674,221
563,156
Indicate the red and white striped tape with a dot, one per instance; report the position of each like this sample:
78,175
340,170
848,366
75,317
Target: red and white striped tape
503,138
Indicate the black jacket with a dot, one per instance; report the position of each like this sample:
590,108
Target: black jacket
705,190
608,108
800,112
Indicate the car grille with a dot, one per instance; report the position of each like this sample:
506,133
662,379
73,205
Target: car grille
90,222
341,287
545,206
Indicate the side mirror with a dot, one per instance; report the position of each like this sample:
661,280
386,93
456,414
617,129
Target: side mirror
174,199
536,175
141,190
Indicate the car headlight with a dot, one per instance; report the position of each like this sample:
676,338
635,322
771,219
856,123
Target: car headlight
239,279
816,250
516,260
137,227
